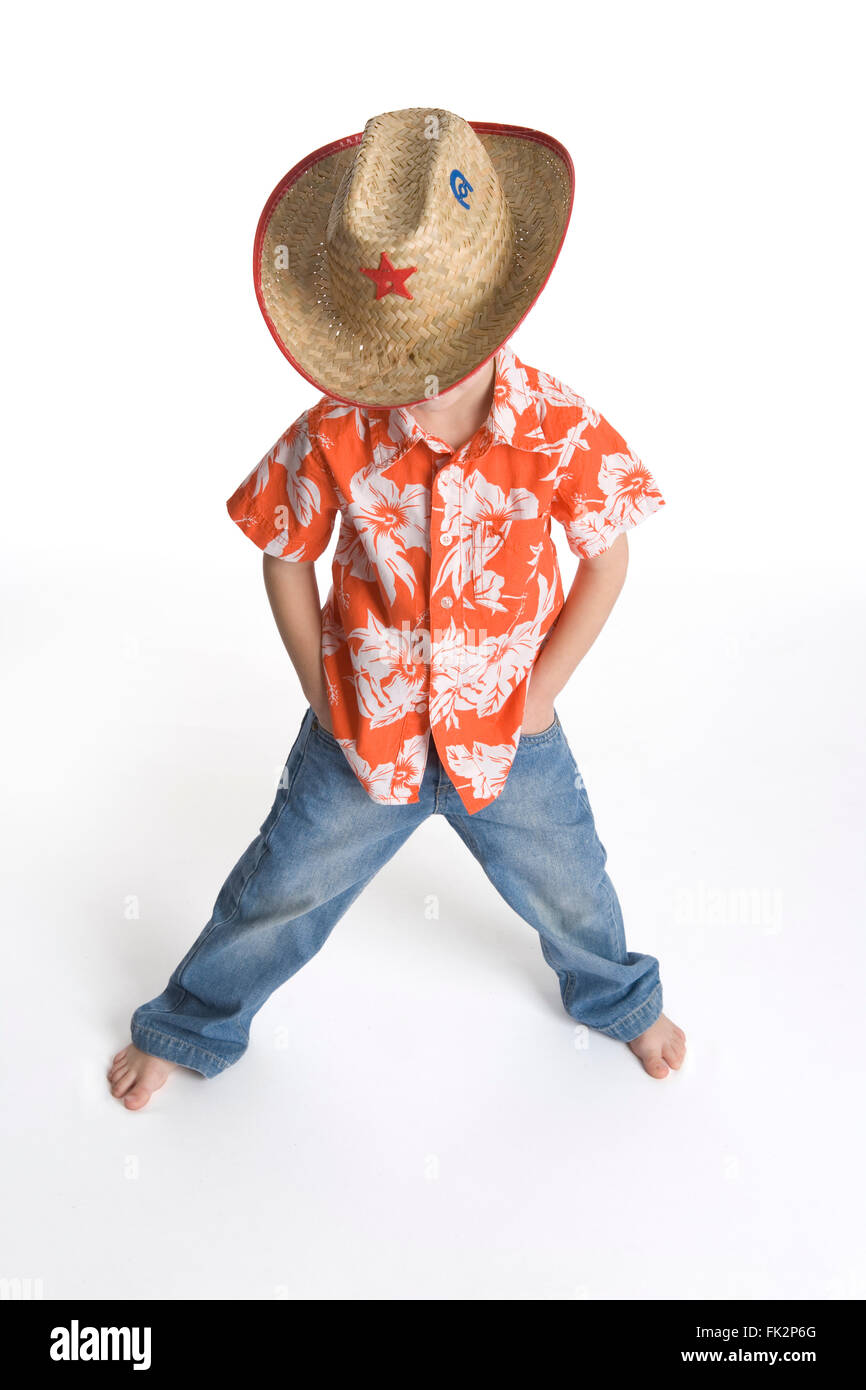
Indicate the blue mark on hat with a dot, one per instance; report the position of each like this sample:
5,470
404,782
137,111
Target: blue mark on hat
460,186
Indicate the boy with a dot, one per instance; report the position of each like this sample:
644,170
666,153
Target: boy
391,269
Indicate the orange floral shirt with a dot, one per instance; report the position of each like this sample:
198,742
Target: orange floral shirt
445,574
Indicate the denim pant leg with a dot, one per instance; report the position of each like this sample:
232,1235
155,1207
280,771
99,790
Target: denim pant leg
322,842
538,845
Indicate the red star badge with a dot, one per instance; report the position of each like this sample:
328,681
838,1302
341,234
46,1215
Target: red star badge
388,280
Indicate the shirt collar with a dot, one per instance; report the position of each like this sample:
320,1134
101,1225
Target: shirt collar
513,418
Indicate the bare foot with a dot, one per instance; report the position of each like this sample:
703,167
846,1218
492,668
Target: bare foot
135,1075
660,1048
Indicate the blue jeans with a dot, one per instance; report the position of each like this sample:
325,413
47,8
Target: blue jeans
325,839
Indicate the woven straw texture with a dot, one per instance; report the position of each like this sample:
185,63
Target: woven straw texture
478,269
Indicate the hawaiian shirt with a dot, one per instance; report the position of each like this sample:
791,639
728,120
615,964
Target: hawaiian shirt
445,575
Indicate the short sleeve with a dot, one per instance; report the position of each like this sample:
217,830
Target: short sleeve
602,490
287,504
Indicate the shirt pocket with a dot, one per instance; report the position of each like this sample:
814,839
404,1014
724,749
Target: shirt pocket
495,558
476,556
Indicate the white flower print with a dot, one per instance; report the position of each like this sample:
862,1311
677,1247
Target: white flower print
564,450
302,492
630,493
400,426
487,584
389,520
445,677
335,413
375,780
556,393
391,782
629,487
486,765
333,633
478,515
492,512
350,553
389,679
485,502
481,677
510,395
383,455
493,669
409,767
278,546
590,534
384,701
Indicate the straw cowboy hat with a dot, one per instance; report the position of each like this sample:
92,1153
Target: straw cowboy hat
392,264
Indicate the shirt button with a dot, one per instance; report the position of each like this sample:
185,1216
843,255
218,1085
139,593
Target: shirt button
447,602
446,539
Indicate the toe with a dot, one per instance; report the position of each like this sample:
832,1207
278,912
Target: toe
656,1066
122,1084
121,1054
137,1097
672,1055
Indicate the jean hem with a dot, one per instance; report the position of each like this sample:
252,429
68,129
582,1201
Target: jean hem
632,1024
173,1049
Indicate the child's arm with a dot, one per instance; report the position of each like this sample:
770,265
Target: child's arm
591,597
294,598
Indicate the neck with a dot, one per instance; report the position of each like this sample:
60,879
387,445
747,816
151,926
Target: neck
458,414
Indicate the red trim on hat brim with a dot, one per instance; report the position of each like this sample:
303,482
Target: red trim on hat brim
481,128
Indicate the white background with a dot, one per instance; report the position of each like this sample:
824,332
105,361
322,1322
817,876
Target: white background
413,1118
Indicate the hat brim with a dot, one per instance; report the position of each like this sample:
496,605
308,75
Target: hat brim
537,178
